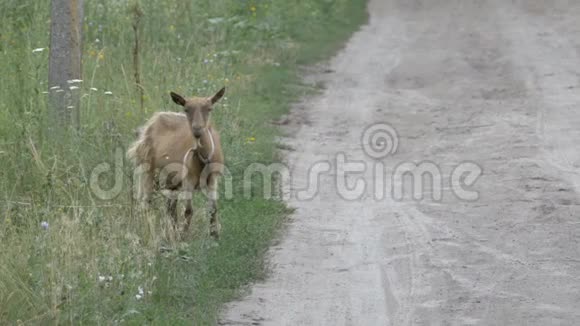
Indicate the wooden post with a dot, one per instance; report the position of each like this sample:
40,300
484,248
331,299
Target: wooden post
65,63
137,15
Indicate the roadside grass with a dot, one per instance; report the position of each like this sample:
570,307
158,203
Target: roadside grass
99,260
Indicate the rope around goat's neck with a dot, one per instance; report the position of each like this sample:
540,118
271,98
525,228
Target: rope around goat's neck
211,152
184,168
204,160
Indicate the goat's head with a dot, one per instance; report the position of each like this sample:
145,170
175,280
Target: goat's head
197,110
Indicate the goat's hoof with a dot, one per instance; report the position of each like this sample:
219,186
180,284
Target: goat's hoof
214,234
214,231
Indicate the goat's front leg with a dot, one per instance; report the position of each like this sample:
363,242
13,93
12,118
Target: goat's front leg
188,215
172,210
214,222
188,189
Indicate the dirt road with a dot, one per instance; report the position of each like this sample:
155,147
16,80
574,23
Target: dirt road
495,83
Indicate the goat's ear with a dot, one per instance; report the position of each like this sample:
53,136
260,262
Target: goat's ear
178,99
218,95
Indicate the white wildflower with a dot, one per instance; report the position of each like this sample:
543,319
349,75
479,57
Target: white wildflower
108,93
73,87
54,87
94,89
74,81
44,225
102,278
37,50
216,20
59,91
140,294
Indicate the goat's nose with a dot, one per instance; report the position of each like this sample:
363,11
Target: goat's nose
197,133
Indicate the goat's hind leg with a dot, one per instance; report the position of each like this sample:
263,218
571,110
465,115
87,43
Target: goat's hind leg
145,188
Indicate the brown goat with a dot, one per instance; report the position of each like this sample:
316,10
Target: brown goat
185,149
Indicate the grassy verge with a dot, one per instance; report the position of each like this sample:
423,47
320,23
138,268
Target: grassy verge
72,255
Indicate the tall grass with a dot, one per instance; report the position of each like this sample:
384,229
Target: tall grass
69,257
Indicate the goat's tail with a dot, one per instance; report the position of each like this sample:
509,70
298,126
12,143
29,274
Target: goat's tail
133,150
140,150
139,153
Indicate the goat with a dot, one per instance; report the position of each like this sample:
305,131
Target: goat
187,147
